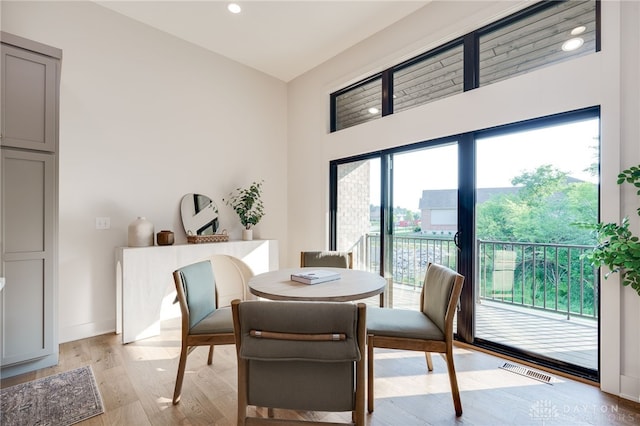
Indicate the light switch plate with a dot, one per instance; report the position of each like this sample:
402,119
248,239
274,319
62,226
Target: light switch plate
103,222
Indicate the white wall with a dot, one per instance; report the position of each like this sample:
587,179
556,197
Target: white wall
630,156
144,119
583,82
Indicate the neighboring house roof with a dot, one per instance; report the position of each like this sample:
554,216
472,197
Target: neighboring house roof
436,199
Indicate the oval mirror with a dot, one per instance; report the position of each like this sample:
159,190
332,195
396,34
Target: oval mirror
199,215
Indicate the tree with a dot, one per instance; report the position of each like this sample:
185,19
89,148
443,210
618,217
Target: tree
542,210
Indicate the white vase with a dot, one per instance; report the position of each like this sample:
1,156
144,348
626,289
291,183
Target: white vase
247,234
141,233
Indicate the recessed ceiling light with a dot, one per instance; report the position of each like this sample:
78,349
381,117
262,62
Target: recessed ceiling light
578,30
572,44
234,8
373,110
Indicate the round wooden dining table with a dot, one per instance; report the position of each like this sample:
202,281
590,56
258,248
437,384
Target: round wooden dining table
353,284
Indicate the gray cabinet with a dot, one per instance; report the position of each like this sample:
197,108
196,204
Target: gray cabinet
29,99
28,208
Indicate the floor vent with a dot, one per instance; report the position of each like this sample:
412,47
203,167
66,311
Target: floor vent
527,372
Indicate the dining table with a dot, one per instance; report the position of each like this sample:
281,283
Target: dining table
352,284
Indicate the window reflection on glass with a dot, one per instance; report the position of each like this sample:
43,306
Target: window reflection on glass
359,105
558,33
433,78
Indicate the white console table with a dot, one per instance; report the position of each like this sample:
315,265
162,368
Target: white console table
144,282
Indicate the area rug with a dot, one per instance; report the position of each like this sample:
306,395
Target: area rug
61,399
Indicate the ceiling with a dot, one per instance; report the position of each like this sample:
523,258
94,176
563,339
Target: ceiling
281,38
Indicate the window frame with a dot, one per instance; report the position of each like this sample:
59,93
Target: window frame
466,262
471,58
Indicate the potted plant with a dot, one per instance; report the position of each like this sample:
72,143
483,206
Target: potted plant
248,206
617,248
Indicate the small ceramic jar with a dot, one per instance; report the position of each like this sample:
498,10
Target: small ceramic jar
140,233
164,238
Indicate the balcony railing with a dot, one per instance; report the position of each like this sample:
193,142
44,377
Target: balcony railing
410,256
549,277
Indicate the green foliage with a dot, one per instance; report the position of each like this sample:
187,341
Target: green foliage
539,185
247,204
617,247
540,210
544,277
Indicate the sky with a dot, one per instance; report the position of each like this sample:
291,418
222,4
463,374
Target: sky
568,147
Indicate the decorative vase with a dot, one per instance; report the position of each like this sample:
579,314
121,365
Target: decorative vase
140,233
247,234
164,238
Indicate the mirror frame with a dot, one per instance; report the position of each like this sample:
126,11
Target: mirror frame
199,214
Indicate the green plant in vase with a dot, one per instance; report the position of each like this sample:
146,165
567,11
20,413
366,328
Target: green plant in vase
248,205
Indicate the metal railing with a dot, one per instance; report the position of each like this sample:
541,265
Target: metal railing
549,277
410,256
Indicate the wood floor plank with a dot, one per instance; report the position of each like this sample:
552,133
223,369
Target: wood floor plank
129,414
137,380
115,387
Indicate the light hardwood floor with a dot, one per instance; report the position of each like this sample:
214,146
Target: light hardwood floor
136,382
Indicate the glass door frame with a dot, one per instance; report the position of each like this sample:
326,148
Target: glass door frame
467,300
386,194
467,262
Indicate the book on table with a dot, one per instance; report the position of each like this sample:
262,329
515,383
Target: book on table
315,276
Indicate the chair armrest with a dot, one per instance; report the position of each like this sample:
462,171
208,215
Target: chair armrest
297,336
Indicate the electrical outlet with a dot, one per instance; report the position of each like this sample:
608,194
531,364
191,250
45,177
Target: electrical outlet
103,222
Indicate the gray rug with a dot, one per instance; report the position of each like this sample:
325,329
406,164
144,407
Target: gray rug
61,399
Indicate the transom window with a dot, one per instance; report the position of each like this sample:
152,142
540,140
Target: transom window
541,35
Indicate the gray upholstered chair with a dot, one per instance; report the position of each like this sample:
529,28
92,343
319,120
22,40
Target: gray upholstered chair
332,259
203,322
427,330
300,356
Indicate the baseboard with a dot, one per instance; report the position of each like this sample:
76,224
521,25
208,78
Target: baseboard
83,331
26,367
630,388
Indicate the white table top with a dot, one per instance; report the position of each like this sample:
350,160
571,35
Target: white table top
352,285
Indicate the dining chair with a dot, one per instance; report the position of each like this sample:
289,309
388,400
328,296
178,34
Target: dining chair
300,356
429,329
205,322
232,276
333,259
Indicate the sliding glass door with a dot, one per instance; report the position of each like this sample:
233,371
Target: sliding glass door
356,212
500,206
424,219
535,291
398,221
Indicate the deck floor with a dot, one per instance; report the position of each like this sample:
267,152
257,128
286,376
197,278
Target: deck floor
574,341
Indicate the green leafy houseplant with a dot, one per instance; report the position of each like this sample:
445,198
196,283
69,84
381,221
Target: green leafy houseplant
247,204
617,247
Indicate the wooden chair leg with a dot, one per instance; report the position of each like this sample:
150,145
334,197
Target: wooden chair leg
370,396
429,362
455,392
210,359
270,412
242,392
182,364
